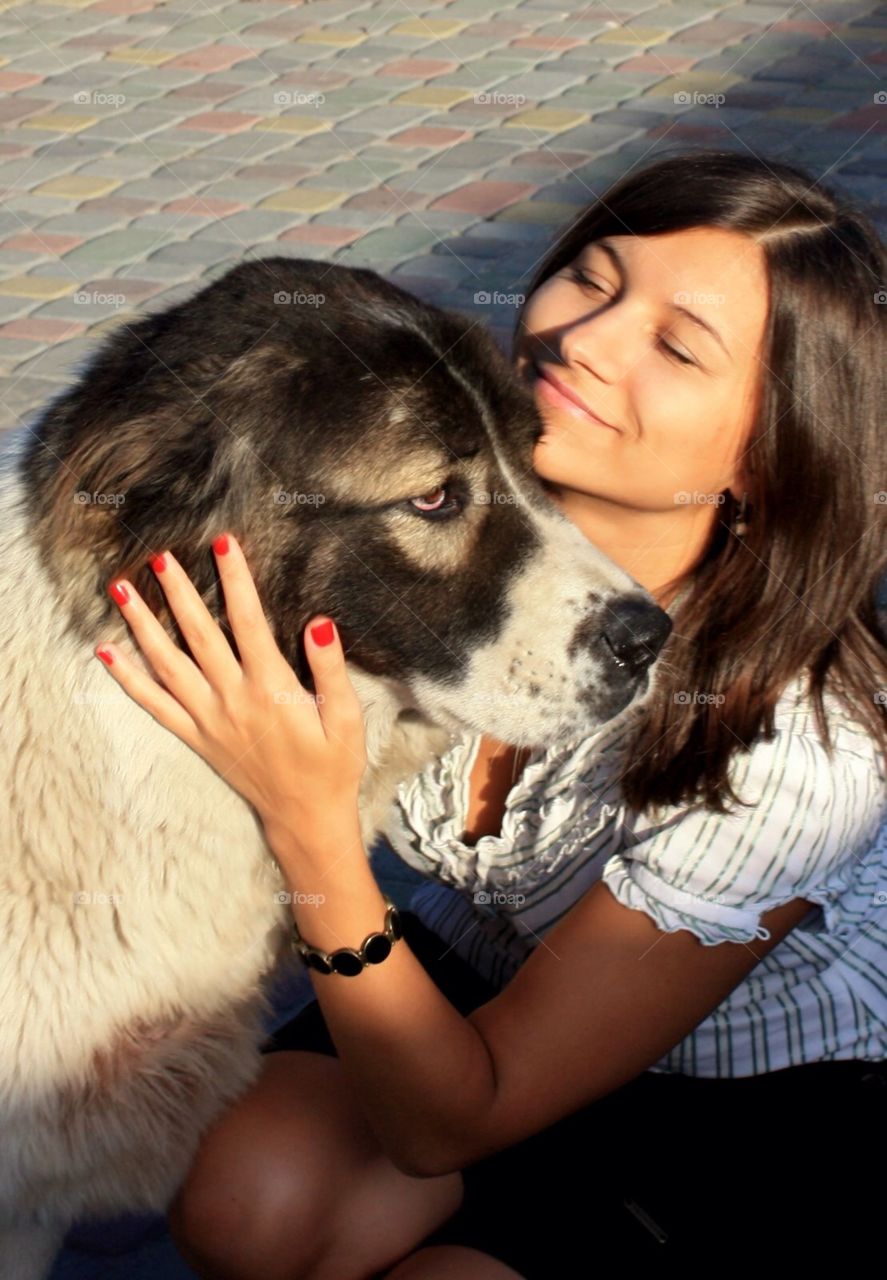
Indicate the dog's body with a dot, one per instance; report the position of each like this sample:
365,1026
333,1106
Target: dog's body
141,914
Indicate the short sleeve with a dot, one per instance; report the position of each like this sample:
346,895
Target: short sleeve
812,817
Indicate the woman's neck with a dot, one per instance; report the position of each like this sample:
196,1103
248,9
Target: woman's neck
658,548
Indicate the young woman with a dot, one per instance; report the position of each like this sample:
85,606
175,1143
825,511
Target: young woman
642,1000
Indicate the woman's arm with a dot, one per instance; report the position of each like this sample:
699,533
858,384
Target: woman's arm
603,996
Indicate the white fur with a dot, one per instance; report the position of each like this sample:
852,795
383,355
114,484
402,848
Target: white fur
129,1020
132,1016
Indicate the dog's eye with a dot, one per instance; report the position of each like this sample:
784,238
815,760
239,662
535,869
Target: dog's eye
439,502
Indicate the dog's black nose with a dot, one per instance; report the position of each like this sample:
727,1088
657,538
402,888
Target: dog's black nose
635,631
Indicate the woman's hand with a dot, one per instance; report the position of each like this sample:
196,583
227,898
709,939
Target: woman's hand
296,759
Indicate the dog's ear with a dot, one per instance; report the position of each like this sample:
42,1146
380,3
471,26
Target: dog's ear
109,490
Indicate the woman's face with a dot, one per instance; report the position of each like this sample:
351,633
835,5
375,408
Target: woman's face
660,338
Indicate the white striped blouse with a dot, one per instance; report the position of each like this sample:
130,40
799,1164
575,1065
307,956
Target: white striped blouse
817,830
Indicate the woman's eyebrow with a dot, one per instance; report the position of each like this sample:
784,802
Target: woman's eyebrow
617,260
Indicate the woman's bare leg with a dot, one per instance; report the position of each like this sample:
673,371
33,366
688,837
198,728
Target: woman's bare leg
451,1262
291,1183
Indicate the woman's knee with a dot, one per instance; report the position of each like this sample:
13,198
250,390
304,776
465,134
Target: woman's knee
291,1182
452,1262
261,1192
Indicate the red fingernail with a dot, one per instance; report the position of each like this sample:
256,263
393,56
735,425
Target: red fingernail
220,546
158,563
105,655
323,633
119,592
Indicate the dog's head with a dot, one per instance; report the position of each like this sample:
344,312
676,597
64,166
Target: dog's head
374,456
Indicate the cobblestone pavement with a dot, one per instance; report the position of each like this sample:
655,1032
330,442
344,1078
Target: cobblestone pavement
148,146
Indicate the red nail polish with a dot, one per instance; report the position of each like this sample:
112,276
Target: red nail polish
323,633
119,592
105,656
220,546
158,563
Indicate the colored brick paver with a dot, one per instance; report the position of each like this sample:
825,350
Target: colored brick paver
146,147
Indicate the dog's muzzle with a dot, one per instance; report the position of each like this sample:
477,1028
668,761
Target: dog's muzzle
634,632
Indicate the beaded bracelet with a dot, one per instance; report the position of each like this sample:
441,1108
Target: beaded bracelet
375,948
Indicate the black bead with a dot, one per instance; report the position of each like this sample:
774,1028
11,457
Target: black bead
377,948
346,961
316,961
396,926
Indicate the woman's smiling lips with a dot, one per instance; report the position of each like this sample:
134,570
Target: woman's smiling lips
556,393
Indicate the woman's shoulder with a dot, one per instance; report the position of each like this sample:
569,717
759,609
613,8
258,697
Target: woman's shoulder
851,745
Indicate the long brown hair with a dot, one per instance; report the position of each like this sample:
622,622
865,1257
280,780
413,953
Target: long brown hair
798,591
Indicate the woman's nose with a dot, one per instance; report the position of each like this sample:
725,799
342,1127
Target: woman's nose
602,343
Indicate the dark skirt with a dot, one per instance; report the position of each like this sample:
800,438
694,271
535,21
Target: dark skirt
691,1167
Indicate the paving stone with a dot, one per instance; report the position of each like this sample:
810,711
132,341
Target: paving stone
191,253
82,224
438,220
251,225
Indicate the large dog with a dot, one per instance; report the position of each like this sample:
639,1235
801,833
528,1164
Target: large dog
373,454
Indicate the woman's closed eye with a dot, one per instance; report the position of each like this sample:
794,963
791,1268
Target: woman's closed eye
579,276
